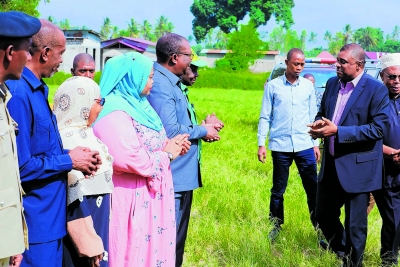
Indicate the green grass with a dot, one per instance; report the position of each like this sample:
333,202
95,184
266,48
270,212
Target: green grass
229,223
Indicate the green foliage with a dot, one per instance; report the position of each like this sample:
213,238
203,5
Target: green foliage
390,46
314,52
209,14
284,40
369,38
59,77
336,43
225,79
246,47
27,6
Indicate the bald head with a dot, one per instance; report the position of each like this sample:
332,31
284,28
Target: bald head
83,65
47,36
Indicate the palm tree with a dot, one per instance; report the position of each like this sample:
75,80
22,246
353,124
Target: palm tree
366,37
115,32
146,30
328,36
313,38
160,26
347,34
106,28
64,24
396,33
303,37
51,19
133,29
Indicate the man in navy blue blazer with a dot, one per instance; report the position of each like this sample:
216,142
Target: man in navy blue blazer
170,101
352,119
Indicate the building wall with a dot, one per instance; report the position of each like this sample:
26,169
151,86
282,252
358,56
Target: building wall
109,53
76,46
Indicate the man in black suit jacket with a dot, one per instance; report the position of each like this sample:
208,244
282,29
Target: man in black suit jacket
352,119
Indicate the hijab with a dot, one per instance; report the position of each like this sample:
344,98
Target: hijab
122,82
72,103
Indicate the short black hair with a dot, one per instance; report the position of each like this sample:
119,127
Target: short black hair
168,45
356,51
294,51
15,41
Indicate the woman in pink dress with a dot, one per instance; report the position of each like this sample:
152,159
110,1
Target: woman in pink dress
142,227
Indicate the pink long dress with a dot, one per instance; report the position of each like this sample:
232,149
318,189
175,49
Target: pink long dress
142,227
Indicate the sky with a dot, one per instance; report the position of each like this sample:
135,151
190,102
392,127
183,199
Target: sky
312,15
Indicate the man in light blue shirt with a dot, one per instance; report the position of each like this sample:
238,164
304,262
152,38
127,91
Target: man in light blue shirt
288,106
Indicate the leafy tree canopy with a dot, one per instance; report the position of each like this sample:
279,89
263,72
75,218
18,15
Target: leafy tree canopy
27,6
246,47
225,14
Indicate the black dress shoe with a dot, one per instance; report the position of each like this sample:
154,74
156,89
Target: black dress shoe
323,244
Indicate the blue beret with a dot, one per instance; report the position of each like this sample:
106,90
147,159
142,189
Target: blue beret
18,24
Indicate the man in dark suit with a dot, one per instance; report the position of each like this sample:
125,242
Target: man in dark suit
352,119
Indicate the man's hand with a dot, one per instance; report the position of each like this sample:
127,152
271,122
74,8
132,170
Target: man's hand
322,128
212,133
95,261
84,160
262,154
212,119
317,153
15,261
396,157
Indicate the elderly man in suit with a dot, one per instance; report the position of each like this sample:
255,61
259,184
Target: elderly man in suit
352,119
171,102
388,198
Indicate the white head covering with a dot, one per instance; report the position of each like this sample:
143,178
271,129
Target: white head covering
390,60
72,103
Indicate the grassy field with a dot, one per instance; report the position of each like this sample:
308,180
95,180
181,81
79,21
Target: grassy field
229,224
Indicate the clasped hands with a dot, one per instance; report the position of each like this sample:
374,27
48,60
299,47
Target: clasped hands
85,160
178,146
322,128
213,126
396,157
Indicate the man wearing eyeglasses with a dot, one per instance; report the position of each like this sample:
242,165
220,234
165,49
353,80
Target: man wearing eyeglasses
83,65
174,56
388,198
352,120
43,162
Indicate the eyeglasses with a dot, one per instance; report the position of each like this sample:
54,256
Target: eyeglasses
191,56
100,101
392,76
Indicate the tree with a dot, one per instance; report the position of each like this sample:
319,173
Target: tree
347,34
390,46
336,43
245,46
115,32
209,14
276,38
27,6
64,24
396,33
313,38
133,29
106,28
369,38
303,38
146,30
328,36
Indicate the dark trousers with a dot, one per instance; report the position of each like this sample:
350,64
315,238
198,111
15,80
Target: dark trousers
305,162
44,254
388,202
183,204
348,241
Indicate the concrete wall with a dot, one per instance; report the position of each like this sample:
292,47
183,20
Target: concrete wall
109,53
76,46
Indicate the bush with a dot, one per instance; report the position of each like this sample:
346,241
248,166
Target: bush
228,79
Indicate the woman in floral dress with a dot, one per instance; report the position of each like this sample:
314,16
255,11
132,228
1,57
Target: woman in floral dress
142,228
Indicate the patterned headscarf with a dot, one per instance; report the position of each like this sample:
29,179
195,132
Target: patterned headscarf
72,103
122,82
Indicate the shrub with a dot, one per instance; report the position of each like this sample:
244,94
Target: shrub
228,79
59,77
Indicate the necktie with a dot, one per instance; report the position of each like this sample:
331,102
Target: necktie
344,97
192,115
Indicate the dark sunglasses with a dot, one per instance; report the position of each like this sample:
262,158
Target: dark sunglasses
100,101
392,76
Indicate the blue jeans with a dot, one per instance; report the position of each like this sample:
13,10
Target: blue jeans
306,164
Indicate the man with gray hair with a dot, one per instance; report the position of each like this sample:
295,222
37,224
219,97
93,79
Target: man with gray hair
388,198
43,162
83,65
174,56
352,120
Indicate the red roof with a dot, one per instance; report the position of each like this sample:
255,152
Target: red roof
325,54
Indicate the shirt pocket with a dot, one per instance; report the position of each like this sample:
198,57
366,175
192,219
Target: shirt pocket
42,139
6,146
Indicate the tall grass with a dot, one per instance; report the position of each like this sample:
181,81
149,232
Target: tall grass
229,223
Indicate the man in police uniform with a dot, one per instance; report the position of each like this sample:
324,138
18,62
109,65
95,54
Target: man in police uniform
15,42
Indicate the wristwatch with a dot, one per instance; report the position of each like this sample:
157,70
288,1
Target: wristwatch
170,156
